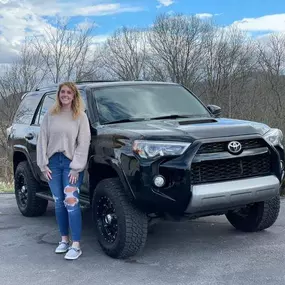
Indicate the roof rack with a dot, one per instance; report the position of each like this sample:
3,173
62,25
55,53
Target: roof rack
95,81
76,82
45,87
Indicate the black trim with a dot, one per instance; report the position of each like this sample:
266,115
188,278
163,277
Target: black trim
227,155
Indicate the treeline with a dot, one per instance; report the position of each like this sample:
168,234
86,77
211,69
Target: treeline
223,66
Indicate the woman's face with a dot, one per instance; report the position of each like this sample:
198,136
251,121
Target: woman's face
66,96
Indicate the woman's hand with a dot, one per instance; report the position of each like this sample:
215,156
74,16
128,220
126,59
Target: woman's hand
72,177
47,174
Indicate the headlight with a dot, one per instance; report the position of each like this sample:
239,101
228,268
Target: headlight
274,137
152,149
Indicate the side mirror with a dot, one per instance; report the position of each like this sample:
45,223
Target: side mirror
215,110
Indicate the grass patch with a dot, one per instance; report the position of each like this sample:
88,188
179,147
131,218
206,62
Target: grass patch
6,187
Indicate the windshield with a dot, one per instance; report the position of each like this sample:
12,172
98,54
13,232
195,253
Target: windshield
146,101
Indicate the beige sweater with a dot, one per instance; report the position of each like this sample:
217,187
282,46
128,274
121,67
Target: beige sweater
61,133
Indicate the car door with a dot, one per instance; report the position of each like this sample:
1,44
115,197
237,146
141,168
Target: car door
47,102
19,133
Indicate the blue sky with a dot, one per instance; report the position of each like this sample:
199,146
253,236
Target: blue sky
20,18
223,12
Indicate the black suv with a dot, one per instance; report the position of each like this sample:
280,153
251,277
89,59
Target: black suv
156,151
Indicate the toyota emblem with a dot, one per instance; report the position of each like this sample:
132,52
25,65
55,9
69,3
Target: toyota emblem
234,147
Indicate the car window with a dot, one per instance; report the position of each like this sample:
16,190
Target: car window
27,108
83,96
146,101
48,102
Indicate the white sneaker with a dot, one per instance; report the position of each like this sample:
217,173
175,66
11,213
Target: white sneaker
73,253
62,247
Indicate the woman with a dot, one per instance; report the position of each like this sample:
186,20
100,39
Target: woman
62,152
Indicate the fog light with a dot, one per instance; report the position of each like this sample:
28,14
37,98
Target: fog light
159,181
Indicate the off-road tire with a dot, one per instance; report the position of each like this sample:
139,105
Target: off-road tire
130,224
258,217
34,205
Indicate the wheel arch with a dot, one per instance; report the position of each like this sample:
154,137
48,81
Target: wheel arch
19,156
100,171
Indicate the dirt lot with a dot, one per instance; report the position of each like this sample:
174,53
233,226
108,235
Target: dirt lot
204,251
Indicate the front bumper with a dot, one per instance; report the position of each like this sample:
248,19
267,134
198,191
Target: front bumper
221,195
206,178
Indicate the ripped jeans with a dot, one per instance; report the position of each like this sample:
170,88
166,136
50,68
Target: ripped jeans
66,196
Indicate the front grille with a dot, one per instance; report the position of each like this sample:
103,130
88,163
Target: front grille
222,146
229,169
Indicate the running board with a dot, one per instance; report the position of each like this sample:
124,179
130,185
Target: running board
47,196
44,195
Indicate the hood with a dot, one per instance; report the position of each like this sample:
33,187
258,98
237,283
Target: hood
192,128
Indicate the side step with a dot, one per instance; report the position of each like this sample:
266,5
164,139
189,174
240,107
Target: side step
44,195
84,201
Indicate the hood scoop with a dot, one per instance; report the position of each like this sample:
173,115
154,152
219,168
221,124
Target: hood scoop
199,121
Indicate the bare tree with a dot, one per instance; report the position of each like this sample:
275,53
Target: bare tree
63,51
21,76
91,66
272,63
124,54
176,42
8,107
228,63
24,74
155,69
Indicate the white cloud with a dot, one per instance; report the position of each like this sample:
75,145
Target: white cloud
78,8
207,15
267,23
16,21
23,18
99,39
104,9
165,3
204,15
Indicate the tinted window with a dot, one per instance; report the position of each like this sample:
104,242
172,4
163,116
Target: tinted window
48,102
146,101
83,96
27,109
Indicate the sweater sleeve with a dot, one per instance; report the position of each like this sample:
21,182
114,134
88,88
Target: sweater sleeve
80,157
42,159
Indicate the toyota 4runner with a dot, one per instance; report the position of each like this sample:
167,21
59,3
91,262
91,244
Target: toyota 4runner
156,151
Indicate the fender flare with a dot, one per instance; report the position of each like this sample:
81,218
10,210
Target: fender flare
23,151
115,165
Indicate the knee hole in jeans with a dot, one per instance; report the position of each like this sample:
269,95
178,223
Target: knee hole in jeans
70,195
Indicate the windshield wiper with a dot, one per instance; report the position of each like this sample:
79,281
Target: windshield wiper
127,120
174,116
134,119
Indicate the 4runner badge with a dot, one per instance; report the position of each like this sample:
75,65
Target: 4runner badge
234,147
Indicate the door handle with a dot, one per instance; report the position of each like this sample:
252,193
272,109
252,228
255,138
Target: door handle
29,136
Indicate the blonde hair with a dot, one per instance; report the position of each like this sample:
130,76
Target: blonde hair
77,105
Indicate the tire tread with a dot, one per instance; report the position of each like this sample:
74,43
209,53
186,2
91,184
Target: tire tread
266,216
36,206
136,225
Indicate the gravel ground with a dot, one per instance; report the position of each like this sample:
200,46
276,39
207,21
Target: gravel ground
204,251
